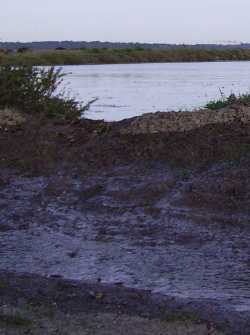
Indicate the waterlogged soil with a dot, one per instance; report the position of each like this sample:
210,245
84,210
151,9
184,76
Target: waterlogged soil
179,232
166,213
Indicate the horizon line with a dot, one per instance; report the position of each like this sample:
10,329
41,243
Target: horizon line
129,42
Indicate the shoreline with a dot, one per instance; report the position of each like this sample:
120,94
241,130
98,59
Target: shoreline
134,63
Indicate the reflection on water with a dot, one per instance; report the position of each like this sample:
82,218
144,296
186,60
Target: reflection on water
127,90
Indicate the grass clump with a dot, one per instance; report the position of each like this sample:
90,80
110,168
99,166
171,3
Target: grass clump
35,90
243,99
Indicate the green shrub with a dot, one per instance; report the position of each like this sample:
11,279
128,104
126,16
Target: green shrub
216,104
35,90
243,99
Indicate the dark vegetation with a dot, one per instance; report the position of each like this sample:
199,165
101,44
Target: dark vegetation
46,45
61,56
36,91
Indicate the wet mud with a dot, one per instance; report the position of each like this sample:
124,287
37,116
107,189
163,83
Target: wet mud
146,226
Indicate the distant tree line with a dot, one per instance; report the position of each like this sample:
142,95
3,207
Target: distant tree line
45,45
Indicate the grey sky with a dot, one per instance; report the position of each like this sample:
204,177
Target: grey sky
174,21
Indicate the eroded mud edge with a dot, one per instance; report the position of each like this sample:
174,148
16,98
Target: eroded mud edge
72,297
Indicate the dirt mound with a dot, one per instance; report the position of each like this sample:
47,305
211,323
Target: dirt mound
184,121
44,144
10,118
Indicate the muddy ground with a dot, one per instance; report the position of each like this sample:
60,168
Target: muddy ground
164,212
34,305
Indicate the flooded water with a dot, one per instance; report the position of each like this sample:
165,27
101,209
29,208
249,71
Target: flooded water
127,90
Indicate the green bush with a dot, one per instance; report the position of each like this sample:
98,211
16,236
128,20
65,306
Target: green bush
243,99
35,90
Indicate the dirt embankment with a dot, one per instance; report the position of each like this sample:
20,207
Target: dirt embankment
160,122
182,140
183,189
193,138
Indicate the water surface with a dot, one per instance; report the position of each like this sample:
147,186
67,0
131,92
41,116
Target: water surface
127,90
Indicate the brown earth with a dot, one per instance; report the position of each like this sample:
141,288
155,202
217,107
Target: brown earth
40,144
160,122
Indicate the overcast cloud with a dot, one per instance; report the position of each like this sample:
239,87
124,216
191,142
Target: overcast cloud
173,21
